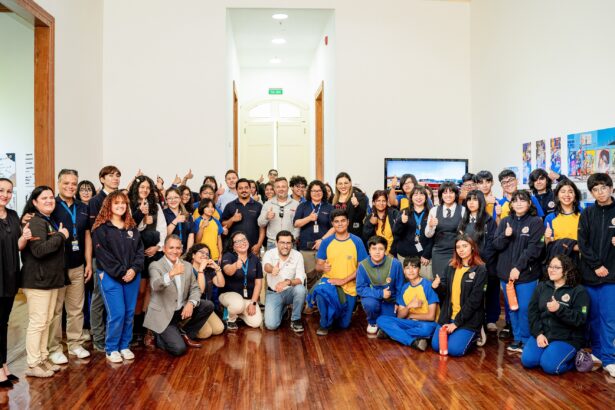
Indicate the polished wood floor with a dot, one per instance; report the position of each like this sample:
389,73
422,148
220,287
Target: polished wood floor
260,369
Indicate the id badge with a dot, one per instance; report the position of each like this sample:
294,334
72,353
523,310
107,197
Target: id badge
315,228
245,293
75,245
419,247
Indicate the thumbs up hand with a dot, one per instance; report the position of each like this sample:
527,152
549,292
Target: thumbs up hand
275,269
27,233
436,282
63,230
508,231
433,222
313,216
553,305
373,219
386,293
354,201
270,214
237,217
394,182
548,232
404,216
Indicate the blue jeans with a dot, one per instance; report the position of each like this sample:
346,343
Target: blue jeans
405,331
276,302
344,321
519,319
459,342
376,307
120,301
557,358
602,321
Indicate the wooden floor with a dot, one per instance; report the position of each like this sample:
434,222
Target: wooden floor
260,369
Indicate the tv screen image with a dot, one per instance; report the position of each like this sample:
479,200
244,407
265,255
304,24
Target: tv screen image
427,171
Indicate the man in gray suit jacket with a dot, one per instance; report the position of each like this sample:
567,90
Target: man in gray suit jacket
175,298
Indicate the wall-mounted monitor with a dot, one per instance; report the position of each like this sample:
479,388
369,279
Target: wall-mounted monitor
429,171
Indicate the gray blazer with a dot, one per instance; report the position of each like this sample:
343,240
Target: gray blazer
163,302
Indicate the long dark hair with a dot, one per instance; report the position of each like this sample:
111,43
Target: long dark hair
534,176
569,269
89,185
421,190
378,194
152,198
576,204
481,216
36,192
475,258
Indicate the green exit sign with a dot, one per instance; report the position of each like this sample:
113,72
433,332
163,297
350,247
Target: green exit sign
276,91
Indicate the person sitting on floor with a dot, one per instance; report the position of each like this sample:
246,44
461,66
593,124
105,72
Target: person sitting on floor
176,297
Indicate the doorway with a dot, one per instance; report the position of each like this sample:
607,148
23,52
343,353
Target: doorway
319,132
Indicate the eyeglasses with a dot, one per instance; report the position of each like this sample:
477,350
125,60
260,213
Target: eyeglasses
285,243
300,186
600,188
203,253
240,241
316,191
555,267
85,189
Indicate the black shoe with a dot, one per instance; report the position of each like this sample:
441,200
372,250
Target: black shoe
322,331
382,335
505,333
296,326
515,347
231,326
12,378
419,344
6,383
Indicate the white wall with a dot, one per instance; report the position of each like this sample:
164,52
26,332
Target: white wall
16,97
232,74
539,69
78,85
255,84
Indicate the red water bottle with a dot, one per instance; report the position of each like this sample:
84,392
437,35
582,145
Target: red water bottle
443,340
512,296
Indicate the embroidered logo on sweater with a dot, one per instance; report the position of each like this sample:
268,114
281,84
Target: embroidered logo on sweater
525,229
566,298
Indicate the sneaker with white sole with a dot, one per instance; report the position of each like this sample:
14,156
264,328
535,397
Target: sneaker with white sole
114,357
51,366
610,369
372,329
420,344
492,327
127,354
39,371
79,351
58,357
597,363
482,338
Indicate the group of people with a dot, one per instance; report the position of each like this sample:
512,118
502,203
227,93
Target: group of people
168,267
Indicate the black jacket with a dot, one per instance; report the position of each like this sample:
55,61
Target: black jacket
404,234
522,250
369,230
356,215
485,244
43,256
473,286
596,231
567,324
117,250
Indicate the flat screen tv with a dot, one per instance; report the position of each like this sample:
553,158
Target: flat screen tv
429,171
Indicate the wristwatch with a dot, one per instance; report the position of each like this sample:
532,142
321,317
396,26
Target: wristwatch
254,303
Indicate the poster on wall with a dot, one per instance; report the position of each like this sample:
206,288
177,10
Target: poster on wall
556,155
527,161
29,170
591,151
8,167
541,154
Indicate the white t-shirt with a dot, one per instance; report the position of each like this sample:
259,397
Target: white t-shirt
291,268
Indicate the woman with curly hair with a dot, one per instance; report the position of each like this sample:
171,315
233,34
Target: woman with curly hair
119,257
557,314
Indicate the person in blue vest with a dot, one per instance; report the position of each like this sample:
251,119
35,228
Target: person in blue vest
416,308
379,279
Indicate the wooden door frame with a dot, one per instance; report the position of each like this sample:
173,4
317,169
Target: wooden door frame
319,128
44,57
235,128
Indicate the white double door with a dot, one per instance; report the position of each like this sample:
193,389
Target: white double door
274,135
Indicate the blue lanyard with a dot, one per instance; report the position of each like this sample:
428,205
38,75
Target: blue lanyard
73,216
48,219
179,228
315,209
244,268
418,222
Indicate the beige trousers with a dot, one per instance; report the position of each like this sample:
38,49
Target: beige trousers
41,305
212,327
72,298
238,307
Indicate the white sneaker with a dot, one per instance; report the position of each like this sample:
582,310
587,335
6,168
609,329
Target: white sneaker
58,358
127,354
80,352
610,369
372,329
482,338
597,363
114,357
492,327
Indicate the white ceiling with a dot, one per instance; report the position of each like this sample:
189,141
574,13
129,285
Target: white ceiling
254,29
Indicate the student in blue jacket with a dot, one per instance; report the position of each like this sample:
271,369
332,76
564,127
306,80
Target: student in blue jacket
379,279
119,257
519,241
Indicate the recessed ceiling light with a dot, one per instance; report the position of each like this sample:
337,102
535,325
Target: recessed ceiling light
280,16
278,41
275,60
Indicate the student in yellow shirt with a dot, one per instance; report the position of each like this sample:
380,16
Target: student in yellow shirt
380,221
564,222
208,229
461,291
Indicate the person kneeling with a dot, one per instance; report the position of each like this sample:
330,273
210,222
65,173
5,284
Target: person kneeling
557,313
379,279
176,297
416,309
462,291
285,279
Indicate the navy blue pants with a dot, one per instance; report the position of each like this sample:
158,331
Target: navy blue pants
120,301
519,318
344,321
557,358
602,321
459,342
405,331
376,307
